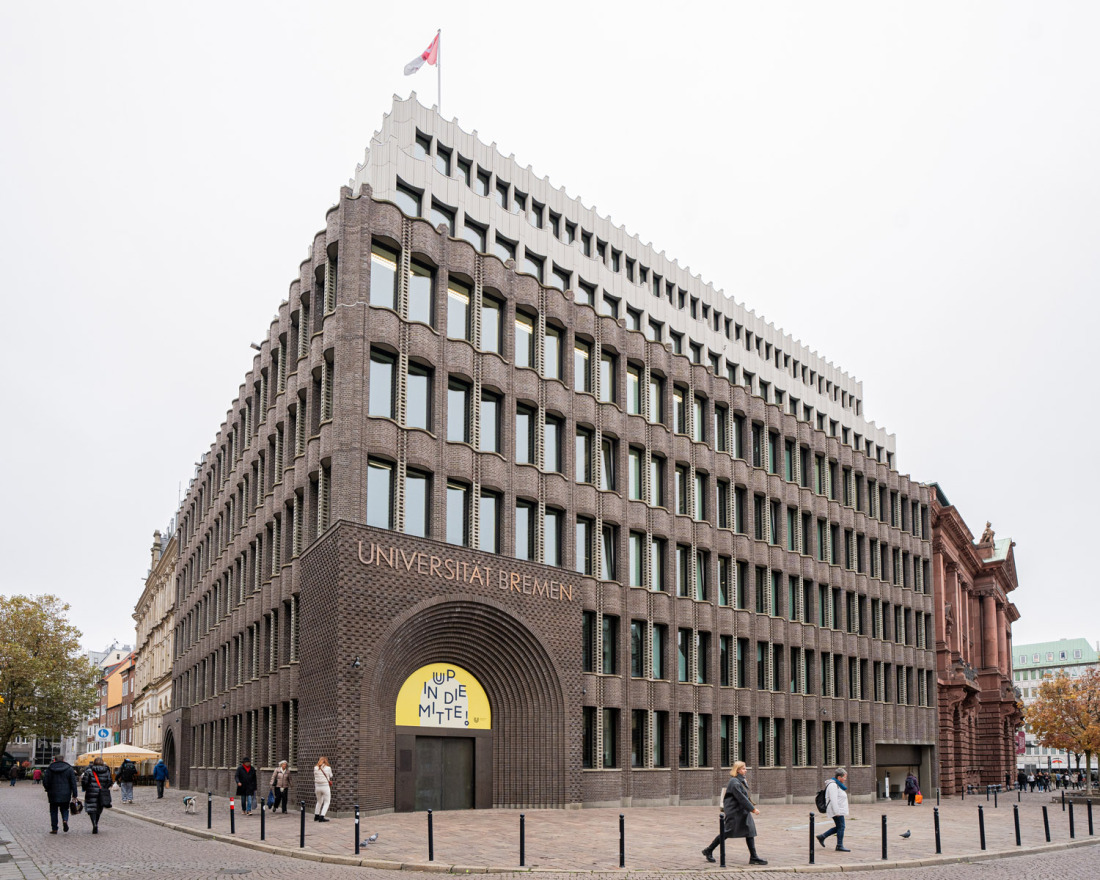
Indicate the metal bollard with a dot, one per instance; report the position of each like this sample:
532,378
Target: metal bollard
937,795
987,788
812,838
936,820
1046,823
721,840
995,798
622,841
884,835
302,833
1063,801
1088,805
1071,834
263,818
1016,822
357,829
209,810
431,839
981,826
232,817
1018,795
522,840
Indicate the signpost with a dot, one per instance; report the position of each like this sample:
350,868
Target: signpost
103,735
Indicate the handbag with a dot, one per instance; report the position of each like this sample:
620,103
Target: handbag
76,807
104,793
271,799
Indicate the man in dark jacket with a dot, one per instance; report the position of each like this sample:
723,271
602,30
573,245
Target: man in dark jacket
160,774
59,781
127,773
246,785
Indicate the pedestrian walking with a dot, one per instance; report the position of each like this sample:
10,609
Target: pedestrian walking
127,773
322,788
836,808
59,781
13,774
1031,781
912,789
737,812
37,776
96,783
160,776
280,784
246,785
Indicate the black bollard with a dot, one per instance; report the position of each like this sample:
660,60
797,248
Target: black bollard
622,841
1046,823
1088,806
1063,801
232,818
811,838
522,840
987,788
936,820
357,829
209,810
431,839
302,832
962,792
721,840
995,797
981,826
884,835
1018,795
1016,822
1071,834
263,818
937,795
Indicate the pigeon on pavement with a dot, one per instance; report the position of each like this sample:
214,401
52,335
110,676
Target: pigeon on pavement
907,833
372,838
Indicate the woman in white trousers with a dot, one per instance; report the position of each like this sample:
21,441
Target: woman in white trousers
322,787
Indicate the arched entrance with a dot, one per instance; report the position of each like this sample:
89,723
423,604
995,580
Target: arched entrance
168,751
520,759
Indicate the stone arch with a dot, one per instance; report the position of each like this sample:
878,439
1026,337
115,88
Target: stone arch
520,677
168,751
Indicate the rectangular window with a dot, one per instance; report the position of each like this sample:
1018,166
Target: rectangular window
637,648
607,377
421,293
418,406
583,455
525,434
609,552
417,503
588,737
585,542
582,376
636,549
551,536
489,521
633,389
458,514
610,658
608,448
491,312
458,411
657,564
381,400
639,725
490,422
379,494
551,353
383,276
458,309
551,444
526,514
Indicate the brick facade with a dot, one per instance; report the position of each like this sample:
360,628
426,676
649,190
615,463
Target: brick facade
275,606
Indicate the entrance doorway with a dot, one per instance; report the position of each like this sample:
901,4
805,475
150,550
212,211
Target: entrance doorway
444,773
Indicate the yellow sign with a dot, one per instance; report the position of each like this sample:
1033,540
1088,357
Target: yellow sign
443,695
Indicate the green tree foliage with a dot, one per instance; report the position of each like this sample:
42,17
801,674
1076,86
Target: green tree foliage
47,684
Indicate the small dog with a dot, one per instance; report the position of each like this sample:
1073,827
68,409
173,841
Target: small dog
189,804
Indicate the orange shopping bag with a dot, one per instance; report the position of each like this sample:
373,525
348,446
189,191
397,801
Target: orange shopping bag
919,798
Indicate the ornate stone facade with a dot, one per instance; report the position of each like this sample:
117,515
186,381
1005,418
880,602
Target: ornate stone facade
978,707
153,658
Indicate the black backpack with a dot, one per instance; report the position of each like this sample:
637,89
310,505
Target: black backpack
127,772
820,801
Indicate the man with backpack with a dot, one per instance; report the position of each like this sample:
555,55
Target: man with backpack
836,808
127,773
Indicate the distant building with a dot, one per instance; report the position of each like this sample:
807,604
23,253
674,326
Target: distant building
153,658
1030,664
974,616
82,740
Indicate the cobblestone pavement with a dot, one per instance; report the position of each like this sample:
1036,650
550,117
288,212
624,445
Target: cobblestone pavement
559,842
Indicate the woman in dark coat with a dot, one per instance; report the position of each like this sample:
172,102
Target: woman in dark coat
738,810
96,783
912,789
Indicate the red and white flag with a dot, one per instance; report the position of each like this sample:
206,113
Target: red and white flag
429,55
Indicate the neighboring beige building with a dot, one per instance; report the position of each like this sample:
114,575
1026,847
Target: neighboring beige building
153,664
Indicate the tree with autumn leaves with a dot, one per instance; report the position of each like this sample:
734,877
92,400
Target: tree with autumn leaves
1066,715
47,684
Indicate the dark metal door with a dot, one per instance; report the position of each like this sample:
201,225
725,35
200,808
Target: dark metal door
444,773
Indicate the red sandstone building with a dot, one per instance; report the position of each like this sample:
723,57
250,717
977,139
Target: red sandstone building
979,714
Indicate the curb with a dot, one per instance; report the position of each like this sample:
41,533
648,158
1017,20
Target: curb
440,868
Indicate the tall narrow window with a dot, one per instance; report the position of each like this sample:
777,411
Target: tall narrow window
417,504
458,411
583,455
585,541
525,340
458,514
490,323
458,309
383,276
525,435
379,494
490,422
526,514
551,353
381,400
489,522
418,406
582,374
421,293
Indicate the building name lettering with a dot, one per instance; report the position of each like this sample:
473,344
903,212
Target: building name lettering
448,569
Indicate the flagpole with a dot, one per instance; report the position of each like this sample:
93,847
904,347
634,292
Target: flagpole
439,70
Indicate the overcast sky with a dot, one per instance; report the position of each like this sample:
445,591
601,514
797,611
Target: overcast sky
911,189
